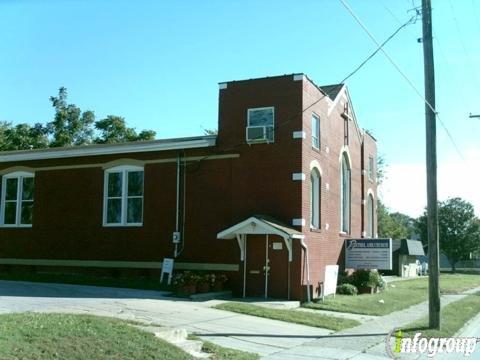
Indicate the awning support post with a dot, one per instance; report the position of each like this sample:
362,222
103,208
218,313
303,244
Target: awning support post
242,243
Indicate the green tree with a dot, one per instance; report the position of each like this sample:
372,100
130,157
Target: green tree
459,230
390,226
113,129
22,136
70,126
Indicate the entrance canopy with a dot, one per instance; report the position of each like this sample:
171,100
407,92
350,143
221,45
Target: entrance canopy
260,225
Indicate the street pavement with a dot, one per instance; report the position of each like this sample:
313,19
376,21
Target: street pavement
270,338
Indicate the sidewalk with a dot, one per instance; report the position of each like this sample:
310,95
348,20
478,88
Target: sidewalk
366,341
271,339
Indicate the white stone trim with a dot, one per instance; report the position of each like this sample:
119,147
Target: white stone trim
222,86
298,222
364,234
299,135
298,77
327,149
327,186
298,177
344,149
327,226
370,192
314,164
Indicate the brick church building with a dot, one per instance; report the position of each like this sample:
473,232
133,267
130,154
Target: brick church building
268,201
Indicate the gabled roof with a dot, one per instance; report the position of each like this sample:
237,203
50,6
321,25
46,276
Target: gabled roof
408,247
332,90
260,224
107,149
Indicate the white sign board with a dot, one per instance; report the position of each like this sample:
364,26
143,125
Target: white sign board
330,283
368,254
167,268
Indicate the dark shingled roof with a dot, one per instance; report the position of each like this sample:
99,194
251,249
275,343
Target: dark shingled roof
332,90
408,247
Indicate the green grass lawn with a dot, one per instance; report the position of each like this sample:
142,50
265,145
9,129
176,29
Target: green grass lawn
397,296
35,336
453,318
138,282
293,316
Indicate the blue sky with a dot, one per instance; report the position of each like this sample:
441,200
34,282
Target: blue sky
157,63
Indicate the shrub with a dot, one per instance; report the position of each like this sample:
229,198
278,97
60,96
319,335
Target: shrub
347,289
366,278
344,278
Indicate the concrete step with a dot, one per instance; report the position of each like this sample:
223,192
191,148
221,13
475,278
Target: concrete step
173,336
211,295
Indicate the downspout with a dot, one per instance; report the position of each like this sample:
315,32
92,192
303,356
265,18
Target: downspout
184,197
177,213
304,245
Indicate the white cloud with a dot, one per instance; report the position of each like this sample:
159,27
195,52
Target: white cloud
405,190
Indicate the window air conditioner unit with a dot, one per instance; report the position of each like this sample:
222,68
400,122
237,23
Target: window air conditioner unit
259,134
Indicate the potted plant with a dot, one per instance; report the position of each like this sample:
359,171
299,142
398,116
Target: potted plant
185,283
218,281
367,281
204,283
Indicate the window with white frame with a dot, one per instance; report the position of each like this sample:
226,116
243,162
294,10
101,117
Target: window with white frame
260,125
315,131
315,198
17,199
123,199
370,216
371,168
345,193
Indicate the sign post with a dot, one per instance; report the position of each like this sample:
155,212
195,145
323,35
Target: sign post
167,269
330,283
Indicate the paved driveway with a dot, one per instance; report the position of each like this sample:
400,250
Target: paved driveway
266,337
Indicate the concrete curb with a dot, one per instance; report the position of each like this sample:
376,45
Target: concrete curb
179,338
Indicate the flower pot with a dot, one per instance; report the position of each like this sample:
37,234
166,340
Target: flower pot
217,286
366,290
203,287
187,289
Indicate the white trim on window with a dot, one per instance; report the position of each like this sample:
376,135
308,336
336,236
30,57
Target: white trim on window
315,198
316,135
124,170
268,131
370,213
371,168
19,176
345,191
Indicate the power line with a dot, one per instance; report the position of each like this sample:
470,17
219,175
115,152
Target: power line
442,53
475,12
410,21
462,43
407,79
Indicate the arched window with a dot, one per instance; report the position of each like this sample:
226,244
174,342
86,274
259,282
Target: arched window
345,182
16,208
370,216
123,198
315,196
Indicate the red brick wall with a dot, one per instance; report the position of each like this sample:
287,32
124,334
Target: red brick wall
219,193
326,243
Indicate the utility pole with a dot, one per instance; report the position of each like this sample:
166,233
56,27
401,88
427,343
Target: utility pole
432,206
